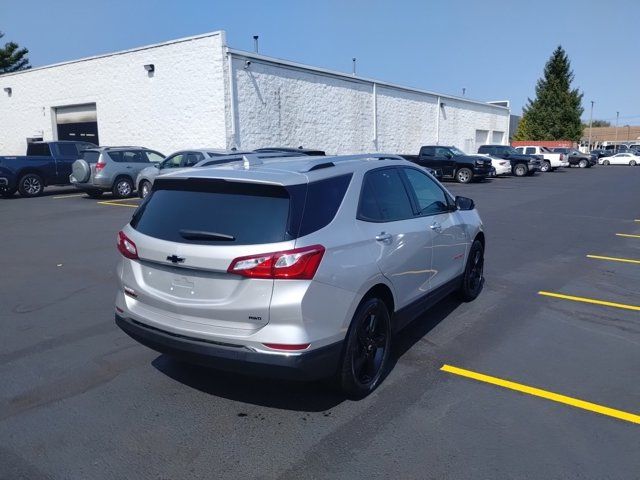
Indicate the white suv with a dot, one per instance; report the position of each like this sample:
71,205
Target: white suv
298,267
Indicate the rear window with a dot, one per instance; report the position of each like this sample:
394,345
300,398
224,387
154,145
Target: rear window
38,150
90,156
68,149
246,213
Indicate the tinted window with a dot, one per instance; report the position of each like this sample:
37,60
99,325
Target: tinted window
38,150
384,197
442,152
430,197
90,156
430,151
129,156
251,213
530,150
68,149
323,198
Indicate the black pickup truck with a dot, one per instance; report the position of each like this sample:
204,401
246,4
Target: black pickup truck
453,163
46,163
521,164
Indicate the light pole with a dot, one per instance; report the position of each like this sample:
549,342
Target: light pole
616,142
590,123
628,132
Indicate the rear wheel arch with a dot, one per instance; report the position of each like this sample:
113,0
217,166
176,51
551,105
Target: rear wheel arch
384,293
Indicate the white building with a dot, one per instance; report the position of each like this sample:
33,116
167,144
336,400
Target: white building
198,92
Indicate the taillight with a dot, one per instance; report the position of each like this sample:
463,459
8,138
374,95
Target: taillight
127,247
100,166
298,264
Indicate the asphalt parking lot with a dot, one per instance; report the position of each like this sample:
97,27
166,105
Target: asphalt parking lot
79,399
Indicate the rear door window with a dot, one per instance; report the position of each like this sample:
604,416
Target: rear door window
384,197
38,150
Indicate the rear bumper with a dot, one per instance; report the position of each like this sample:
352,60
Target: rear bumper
313,365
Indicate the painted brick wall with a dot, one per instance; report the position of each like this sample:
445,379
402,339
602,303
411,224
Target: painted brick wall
280,105
181,105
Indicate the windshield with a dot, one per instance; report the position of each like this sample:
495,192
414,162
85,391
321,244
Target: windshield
457,151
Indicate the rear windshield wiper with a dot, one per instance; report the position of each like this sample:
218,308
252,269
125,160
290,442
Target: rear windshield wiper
203,235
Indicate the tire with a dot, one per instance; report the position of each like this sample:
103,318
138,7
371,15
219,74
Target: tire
546,167
122,187
8,193
520,170
366,350
464,175
583,163
473,278
94,193
606,162
632,163
144,188
30,185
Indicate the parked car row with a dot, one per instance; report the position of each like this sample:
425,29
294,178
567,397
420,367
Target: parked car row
125,170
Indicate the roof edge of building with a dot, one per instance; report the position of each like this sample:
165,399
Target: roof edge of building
354,78
120,52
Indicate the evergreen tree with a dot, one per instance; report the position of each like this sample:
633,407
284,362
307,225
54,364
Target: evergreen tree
12,57
555,112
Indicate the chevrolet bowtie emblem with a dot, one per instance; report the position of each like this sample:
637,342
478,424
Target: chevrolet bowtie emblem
175,259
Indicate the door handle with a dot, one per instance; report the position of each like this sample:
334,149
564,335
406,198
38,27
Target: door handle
436,227
384,237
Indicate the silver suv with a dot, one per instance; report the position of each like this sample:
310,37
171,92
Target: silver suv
298,267
113,169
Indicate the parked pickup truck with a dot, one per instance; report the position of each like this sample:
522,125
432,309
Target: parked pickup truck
521,164
550,160
46,163
454,163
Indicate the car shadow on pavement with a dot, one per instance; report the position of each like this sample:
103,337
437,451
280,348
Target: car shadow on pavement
419,328
316,396
265,392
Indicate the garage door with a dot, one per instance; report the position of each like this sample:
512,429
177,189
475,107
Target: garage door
481,137
78,122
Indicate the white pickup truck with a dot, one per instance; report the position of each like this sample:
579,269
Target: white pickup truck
550,160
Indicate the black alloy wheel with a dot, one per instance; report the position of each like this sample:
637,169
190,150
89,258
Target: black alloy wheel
367,349
473,279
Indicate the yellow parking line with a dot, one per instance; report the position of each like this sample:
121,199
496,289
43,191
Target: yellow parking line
537,392
130,199
590,300
628,235
613,259
69,196
113,204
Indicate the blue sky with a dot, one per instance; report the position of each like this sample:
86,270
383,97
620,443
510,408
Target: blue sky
495,49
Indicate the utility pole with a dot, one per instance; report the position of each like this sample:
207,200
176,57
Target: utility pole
628,132
590,124
616,142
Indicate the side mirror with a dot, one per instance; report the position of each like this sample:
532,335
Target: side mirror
506,154
464,203
448,155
